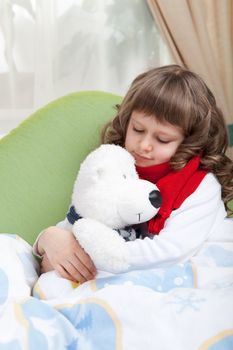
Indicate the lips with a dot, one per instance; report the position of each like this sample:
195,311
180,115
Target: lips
140,157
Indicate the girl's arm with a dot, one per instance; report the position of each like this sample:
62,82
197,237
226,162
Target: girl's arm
63,253
185,231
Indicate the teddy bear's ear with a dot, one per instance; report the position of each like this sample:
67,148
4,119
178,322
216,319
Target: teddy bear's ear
97,173
100,171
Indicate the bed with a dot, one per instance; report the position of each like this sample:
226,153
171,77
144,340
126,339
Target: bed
184,306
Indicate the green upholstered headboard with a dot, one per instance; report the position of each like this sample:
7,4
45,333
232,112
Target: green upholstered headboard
39,160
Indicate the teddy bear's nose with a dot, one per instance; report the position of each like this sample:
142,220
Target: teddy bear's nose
155,198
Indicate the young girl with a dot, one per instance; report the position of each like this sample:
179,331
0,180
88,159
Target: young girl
170,123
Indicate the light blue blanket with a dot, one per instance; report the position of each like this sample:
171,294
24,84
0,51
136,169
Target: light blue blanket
185,306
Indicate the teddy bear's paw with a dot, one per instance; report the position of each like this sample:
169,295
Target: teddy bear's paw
107,249
113,261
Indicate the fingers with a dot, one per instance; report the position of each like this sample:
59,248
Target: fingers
63,273
77,275
71,268
64,254
68,271
85,260
78,270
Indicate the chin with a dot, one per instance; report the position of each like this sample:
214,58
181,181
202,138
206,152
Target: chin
145,163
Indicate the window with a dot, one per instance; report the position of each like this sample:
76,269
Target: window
51,48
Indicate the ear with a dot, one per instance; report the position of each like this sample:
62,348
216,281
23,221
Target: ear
97,173
100,172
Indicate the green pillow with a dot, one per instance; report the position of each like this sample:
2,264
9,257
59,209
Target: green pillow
39,160
230,208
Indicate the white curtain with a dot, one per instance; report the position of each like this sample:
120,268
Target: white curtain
49,48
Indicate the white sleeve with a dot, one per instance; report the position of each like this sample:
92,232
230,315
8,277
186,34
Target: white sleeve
184,231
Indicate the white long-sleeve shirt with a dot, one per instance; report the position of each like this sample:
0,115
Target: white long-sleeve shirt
200,217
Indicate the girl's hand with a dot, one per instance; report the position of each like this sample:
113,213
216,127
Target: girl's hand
45,265
64,254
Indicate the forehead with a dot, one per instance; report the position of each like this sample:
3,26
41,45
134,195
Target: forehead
150,122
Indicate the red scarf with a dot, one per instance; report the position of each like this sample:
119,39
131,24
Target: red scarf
175,187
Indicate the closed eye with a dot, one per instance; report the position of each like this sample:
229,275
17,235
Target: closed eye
138,130
163,141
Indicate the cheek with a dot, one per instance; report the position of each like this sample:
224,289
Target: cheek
127,144
172,150
164,152
129,141
162,155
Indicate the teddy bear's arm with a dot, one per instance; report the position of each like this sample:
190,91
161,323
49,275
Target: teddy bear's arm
104,245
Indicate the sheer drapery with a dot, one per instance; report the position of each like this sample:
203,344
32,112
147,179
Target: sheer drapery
49,48
200,36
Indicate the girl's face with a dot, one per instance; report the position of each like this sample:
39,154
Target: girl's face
151,142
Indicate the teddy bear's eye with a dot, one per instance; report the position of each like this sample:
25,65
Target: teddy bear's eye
124,176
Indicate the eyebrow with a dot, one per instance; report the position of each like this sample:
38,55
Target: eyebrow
167,134
136,121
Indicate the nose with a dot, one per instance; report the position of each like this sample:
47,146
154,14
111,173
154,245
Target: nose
155,198
146,144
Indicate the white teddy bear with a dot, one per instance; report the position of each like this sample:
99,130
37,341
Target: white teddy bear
108,197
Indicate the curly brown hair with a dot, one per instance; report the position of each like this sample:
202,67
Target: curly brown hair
180,97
